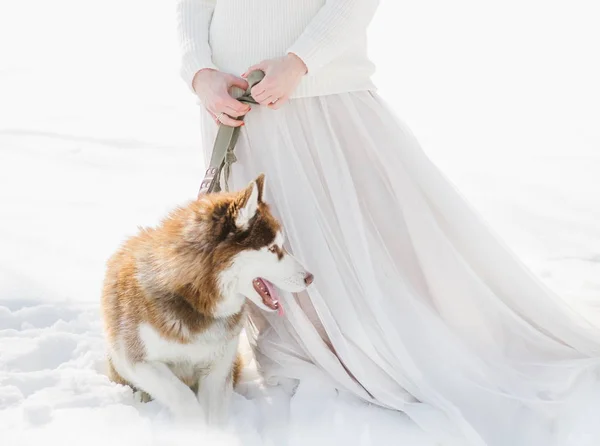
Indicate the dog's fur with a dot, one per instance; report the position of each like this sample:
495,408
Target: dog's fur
174,299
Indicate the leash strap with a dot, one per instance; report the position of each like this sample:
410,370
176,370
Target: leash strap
223,155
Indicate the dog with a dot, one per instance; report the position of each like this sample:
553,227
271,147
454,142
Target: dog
174,299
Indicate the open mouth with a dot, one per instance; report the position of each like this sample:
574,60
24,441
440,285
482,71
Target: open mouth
268,293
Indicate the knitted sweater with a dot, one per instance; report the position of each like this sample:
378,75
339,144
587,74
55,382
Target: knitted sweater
328,35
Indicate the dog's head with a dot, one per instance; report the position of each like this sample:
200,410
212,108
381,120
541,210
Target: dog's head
247,247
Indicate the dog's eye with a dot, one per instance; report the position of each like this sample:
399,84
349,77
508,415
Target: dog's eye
273,249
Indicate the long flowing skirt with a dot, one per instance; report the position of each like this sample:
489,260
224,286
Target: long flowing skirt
417,305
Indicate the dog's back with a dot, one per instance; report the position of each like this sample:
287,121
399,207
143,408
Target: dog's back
150,321
155,325
174,298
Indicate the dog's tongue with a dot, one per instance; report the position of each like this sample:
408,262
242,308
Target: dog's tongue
268,293
274,296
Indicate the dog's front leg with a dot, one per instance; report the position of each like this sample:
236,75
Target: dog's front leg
216,387
157,379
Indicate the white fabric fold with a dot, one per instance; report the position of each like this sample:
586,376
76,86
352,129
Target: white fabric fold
417,304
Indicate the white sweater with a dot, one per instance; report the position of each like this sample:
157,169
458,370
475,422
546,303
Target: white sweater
328,35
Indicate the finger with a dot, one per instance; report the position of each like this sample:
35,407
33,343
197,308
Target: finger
234,81
258,89
212,114
267,83
236,113
227,120
268,100
227,104
214,117
221,117
277,105
259,94
259,66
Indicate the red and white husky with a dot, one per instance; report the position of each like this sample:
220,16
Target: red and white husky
174,299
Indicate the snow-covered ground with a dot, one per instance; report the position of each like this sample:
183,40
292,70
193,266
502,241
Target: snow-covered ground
98,135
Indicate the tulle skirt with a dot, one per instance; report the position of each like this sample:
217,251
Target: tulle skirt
417,306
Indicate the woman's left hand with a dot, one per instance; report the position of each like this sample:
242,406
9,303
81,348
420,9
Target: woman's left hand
282,76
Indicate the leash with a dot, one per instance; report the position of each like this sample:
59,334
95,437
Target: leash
223,155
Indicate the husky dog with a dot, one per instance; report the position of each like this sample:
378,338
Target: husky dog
174,299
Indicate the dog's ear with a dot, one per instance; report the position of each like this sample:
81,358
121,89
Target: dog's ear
260,183
247,204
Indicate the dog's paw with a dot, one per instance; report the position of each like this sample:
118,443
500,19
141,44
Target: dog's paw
141,397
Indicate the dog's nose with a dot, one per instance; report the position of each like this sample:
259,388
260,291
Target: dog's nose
309,279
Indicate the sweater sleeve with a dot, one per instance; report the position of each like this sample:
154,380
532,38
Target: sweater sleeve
193,22
331,31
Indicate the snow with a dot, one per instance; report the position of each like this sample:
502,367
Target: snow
98,135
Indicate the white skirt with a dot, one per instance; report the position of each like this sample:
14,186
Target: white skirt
417,305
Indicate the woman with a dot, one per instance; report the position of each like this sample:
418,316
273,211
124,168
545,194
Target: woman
416,306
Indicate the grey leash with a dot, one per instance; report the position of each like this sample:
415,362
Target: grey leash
223,155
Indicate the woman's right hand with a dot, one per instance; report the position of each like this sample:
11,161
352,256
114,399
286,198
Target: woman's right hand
212,87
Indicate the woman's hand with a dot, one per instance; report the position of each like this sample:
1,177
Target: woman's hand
282,76
212,87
